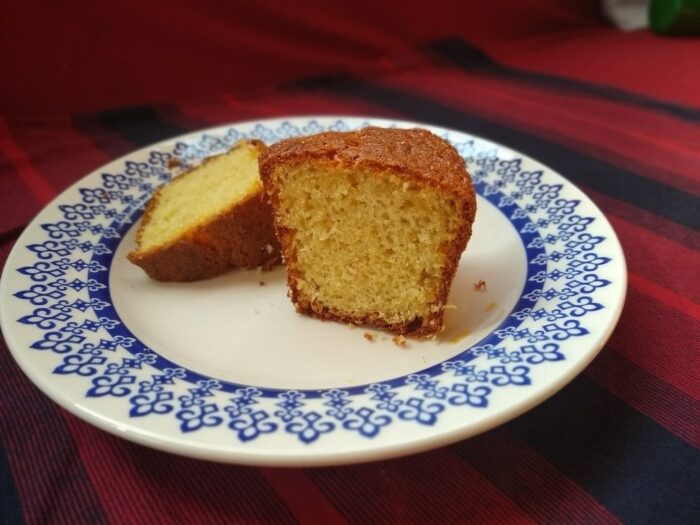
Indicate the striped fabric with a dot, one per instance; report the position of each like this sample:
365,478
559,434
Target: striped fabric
619,444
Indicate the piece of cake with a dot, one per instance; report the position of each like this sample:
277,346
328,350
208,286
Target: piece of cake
208,219
372,224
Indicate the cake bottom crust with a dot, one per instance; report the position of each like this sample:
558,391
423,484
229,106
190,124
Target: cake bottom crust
242,237
418,327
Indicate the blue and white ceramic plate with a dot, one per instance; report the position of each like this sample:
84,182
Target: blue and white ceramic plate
225,369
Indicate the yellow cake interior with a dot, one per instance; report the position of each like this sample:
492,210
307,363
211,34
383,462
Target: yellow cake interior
200,195
366,243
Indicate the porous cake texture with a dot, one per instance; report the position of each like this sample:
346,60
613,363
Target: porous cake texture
372,224
208,220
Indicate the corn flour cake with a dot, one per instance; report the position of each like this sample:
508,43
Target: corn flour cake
208,220
372,224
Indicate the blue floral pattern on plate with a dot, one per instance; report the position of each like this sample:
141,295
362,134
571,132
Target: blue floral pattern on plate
67,304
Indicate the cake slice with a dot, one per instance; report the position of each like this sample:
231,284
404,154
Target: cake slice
372,224
208,219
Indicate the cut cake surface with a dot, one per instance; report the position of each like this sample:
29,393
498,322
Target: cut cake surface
372,224
207,220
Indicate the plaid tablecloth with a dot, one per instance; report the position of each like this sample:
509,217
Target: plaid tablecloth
618,114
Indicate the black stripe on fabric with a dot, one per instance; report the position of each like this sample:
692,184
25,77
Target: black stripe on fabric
660,199
463,55
140,125
634,467
45,451
10,507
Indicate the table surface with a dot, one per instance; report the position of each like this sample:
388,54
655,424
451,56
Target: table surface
617,113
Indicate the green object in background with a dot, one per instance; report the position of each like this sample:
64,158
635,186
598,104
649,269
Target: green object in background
675,17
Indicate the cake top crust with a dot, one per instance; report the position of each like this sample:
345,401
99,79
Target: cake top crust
412,154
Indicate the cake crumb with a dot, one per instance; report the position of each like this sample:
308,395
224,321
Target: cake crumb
435,308
490,307
261,283
399,340
369,336
480,286
174,163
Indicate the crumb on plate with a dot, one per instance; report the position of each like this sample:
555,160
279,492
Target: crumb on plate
480,286
399,340
369,336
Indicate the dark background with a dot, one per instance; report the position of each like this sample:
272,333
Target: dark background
67,57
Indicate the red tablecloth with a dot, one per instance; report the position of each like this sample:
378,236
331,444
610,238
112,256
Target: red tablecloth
616,113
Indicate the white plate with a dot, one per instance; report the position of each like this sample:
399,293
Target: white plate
225,369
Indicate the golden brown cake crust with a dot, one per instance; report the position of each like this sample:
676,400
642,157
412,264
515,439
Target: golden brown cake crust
243,237
412,154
